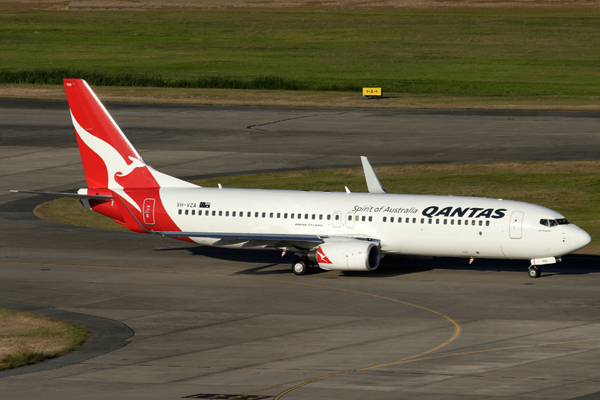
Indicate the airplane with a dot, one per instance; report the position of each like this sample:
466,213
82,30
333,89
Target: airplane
340,231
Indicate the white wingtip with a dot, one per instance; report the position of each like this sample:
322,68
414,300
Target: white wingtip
373,183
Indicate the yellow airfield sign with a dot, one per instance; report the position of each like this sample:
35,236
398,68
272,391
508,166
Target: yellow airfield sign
372,92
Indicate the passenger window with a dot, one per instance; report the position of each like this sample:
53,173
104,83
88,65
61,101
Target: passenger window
363,218
487,223
214,213
391,219
193,212
320,216
437,221
480,223
328,217
270,215
285,215
414,220
445,222
186,212
278,215
384,219
206,212
399,219
337,217
370,219
250,214
292,215
473,222
314,216
422,220
255,214
407,220
451,222
179,212
305,216
349,217
227,213
264,215
458,222
233,214
430,221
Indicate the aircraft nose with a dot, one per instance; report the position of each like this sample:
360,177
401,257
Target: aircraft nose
579,238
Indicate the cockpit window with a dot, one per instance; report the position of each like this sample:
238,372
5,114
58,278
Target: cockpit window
554,222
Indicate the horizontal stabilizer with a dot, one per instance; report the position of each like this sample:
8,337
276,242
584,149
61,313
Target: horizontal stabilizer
66,194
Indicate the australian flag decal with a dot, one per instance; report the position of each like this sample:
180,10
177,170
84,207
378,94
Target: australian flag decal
204,205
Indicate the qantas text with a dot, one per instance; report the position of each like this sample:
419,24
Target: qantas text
467,212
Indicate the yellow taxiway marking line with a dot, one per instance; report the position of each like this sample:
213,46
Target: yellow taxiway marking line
299,384
456,325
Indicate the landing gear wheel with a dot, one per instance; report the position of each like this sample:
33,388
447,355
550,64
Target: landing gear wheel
534,272
299,267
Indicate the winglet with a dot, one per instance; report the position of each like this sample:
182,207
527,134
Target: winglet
372,180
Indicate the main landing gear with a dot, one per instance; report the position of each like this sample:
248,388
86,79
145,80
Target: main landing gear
302,266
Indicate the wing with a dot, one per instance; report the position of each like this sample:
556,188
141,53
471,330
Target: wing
67,194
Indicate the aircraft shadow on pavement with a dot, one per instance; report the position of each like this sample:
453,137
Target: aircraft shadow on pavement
571,265
272,263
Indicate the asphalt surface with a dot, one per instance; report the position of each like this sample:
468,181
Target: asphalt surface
214,321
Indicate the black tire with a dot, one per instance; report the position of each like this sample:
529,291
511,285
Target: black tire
534,272
299,267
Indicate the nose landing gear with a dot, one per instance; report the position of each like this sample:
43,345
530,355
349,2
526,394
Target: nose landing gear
534,272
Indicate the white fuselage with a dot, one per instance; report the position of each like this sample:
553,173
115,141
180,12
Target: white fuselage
403,224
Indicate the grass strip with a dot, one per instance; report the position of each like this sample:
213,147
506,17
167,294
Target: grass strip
55,76
27,339
569,187
450,51
282,98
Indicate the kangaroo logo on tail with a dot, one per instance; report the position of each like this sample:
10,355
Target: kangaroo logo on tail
115,164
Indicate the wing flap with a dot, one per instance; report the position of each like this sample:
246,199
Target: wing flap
245,236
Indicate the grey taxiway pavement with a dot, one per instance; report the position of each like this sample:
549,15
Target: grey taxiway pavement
212,321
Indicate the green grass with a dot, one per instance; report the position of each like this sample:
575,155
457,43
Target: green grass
491,52
571,188
27,339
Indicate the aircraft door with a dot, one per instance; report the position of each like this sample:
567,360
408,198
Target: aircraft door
337,219
350,220
516,225
149,211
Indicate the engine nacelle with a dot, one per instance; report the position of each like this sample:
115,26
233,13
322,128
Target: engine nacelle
354,255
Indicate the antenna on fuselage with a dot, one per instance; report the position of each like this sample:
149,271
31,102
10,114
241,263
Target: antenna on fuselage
373,183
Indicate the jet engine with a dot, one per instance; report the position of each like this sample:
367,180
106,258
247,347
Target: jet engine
346,256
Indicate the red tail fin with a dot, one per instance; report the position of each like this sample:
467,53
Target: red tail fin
109,159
